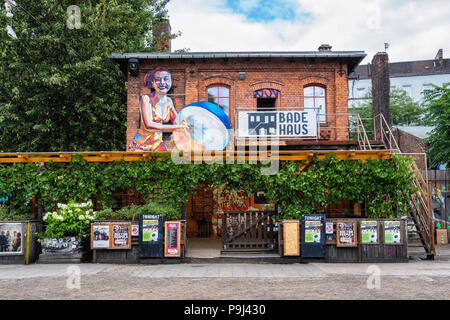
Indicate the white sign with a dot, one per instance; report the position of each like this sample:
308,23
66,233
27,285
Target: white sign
277,123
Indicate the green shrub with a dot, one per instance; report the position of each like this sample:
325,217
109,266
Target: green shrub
132,212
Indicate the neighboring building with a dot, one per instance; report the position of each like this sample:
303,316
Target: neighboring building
410,140
415,77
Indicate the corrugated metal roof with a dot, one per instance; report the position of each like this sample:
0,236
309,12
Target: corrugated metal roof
211,55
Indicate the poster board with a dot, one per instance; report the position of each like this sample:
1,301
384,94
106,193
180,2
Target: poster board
313,236
111,235
291,236
151,236
346,234
100,236
172,239
369,232
392,232
120,235
11,238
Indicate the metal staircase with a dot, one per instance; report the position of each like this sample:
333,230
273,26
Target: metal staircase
419,208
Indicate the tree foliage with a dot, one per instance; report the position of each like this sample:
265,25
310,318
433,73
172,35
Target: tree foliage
59,91
404,110
438,103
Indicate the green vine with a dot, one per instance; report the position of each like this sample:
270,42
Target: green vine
384,186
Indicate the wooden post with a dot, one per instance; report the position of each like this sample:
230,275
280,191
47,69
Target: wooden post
94,256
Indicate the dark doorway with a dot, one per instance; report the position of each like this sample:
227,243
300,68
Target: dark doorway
265,103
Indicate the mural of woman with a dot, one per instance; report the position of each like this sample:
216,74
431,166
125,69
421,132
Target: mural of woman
156,111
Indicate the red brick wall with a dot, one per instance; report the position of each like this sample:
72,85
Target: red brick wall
191,78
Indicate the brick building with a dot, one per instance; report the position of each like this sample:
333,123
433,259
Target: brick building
255,81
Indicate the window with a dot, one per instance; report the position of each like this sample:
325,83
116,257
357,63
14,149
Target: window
408,90
221,97
315,98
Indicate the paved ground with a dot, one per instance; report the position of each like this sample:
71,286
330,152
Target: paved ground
414,280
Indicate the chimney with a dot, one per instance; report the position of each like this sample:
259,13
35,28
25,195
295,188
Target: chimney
381,87
325,47
440,56
162,34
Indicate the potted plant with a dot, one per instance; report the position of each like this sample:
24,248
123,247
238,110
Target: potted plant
66,230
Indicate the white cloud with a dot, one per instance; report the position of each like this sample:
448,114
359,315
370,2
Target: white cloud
415,29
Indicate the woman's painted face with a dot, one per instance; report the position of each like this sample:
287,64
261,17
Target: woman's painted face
162,82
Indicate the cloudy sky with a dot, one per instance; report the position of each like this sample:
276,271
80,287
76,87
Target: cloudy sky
415,29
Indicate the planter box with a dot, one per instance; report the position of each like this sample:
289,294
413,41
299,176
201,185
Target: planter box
60,251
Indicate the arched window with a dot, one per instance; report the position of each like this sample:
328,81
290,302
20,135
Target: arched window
220,95
315,97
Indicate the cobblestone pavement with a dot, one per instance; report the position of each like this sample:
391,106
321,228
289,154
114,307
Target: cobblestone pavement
414,280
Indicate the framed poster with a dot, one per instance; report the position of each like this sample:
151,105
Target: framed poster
346,234
369,232
100,236
312,231
172,239
121,235
392,232
11,238
150,230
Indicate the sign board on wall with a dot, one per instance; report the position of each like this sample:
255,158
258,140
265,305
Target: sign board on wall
277,123
100,236
151,236
313,235
172,239
392,232
111,235
369,232
121,236
11,238
346,234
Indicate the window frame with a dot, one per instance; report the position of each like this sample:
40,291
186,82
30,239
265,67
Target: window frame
218,86
322,117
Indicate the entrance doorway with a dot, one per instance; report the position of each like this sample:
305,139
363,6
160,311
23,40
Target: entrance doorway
203,241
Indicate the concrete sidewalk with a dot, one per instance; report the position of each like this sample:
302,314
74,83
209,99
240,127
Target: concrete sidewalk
275,271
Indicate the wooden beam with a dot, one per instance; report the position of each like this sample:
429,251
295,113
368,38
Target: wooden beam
143,156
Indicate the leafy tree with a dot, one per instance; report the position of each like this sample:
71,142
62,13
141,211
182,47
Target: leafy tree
438,103
59,91
404,110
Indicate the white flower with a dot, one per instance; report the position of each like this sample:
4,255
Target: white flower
81,217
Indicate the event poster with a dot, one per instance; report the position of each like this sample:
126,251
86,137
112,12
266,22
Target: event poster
121,236
346,234
312,231
392,232
11,238
150,230
172,242
100,236
369,232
